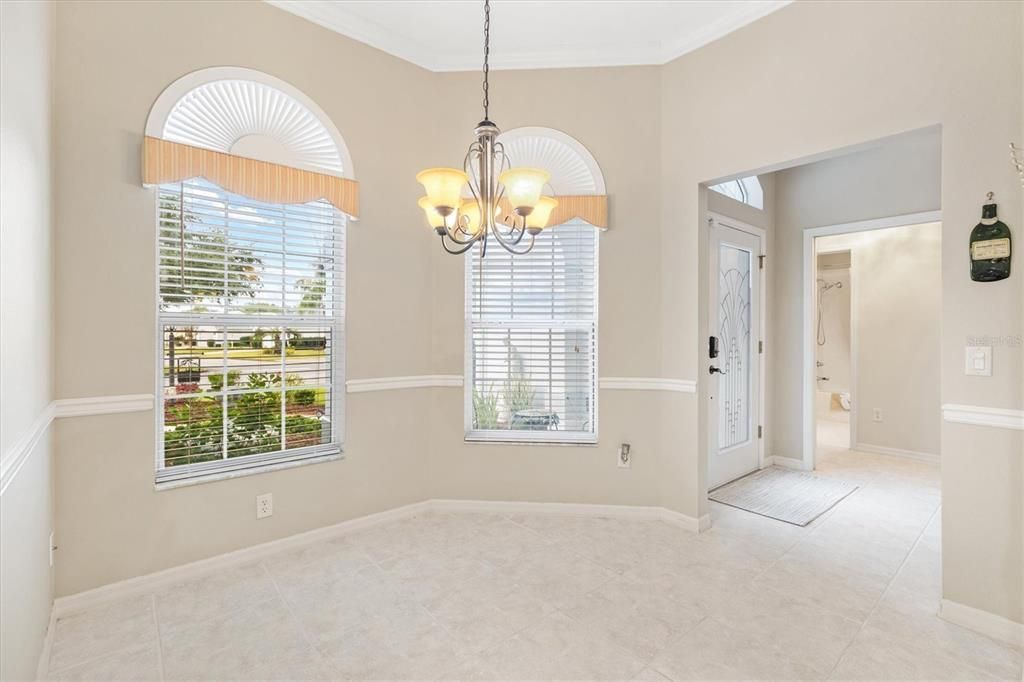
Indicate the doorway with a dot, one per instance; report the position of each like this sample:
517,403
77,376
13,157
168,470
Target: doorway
834,339
735,286
895,349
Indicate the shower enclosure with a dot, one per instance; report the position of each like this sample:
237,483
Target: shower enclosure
832,336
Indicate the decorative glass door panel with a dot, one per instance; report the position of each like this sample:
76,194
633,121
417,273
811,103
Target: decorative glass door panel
734,293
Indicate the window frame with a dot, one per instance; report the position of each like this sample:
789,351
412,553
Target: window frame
523,437
745,196
228,468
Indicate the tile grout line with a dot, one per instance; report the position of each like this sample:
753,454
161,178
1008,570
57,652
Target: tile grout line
92,659
159,642
881,597
291,614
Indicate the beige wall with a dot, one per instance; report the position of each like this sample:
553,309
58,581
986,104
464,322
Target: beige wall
896,177
628,338
26,386
898,275
841,74
114,60
896,286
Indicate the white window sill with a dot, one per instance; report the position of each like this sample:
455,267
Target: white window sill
515,439
238,473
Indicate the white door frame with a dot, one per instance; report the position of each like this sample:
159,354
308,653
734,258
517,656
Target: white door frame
762,235
810,299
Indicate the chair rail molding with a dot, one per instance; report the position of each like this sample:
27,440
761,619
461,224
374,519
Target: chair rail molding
984,416
648,384
14,459
107,404
456,380
397,383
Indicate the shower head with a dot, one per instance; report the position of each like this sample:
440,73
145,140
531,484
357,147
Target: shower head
825,286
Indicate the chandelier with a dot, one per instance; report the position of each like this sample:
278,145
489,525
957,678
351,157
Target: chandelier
506,202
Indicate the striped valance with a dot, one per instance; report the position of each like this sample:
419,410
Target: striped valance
165,161
590,208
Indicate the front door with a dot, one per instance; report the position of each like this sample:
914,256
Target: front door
735,370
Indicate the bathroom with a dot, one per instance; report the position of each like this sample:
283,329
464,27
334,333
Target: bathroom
877,302
832,347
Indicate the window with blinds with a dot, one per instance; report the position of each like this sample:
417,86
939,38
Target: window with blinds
531,339
251,312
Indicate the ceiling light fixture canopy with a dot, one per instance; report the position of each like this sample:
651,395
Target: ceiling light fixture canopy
462,222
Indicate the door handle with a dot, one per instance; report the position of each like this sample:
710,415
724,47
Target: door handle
714,370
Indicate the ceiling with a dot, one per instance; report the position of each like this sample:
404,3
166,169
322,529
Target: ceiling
447,35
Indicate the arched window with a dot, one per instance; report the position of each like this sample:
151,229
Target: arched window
531,331
746,190
253,186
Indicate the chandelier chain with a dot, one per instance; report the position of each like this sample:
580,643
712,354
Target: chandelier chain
487,54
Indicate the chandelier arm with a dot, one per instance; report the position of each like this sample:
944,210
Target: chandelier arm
517,252
456,251
513,238
452,236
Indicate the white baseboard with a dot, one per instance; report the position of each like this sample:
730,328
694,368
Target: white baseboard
785,462
43,666
988,624
698,525
161,579
615,511
896,452
144,584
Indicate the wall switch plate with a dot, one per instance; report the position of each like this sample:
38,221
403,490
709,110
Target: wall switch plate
625,459
876,414
978,361
264,505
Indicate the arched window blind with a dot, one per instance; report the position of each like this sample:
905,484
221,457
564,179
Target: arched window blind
531,339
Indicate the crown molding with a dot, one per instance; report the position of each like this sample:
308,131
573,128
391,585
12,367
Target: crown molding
746,14
345,22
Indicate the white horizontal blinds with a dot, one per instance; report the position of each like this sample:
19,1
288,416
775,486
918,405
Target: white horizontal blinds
251,314
533,321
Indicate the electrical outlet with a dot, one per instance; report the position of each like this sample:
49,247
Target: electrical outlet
876,414
264,505
625,459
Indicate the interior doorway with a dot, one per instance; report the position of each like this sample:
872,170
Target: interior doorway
870,311
834,337
735,289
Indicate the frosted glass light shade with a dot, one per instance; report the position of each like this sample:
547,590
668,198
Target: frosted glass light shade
443,186
524,185
471,209
434,218
541,212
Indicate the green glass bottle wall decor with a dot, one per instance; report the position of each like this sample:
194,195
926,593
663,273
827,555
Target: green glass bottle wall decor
990,246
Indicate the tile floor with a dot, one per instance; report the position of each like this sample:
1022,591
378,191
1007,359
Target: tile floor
475,596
